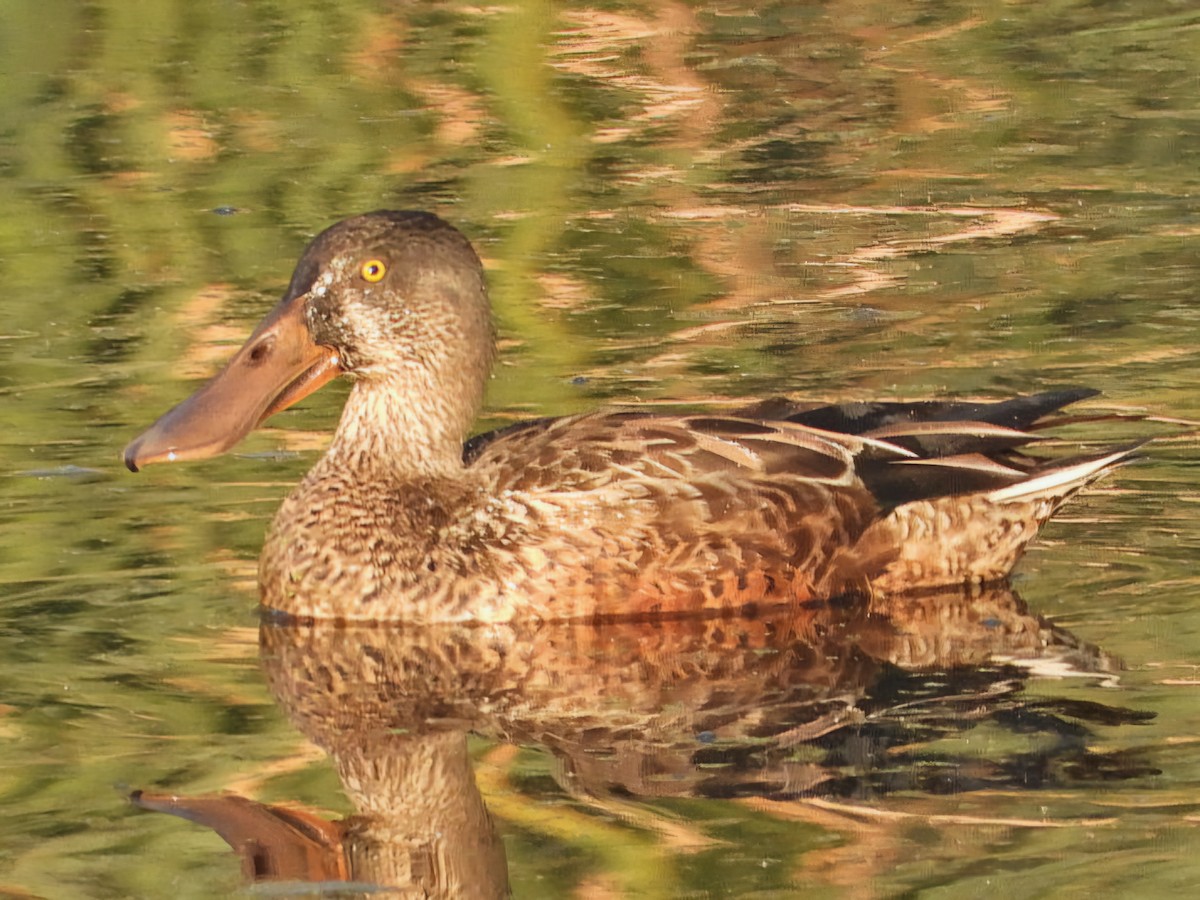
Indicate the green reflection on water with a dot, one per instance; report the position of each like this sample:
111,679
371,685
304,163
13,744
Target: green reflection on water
676,203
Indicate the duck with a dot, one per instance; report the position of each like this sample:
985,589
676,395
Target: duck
612,513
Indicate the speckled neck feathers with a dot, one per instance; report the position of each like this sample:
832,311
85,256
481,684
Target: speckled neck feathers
418,343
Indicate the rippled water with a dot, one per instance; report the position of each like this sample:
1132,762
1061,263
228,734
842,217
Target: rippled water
676,203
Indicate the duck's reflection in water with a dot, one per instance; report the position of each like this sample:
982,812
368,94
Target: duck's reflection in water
713,707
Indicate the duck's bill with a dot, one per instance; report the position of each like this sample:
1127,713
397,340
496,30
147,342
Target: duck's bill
279,365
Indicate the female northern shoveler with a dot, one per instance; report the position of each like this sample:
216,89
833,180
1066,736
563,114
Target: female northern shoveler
611,513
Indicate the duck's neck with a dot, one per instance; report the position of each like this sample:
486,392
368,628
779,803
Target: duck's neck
401,428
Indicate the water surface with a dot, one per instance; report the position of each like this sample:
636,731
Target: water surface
676,203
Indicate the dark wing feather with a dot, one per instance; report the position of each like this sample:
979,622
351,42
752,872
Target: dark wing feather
858,418
473,447
900,452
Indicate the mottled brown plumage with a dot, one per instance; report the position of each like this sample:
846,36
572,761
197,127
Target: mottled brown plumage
608,514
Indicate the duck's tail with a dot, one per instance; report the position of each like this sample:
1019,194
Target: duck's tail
977,537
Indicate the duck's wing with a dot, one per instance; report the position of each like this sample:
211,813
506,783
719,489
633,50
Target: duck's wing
896,452
883,497
672,452
675,513
962,448
1030,411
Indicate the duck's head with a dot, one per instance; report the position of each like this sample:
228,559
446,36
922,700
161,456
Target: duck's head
391,299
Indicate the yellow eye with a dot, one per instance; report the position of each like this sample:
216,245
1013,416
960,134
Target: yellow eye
373,270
